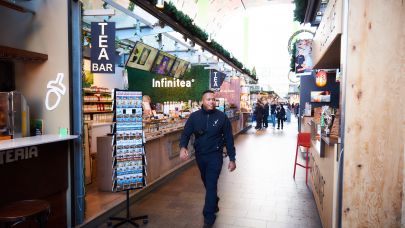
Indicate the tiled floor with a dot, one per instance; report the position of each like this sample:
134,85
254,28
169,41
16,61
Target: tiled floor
259,193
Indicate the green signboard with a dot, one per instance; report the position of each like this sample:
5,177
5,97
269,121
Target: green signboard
165,88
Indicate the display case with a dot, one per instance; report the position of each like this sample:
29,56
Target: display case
97,105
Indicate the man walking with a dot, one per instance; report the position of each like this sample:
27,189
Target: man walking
212,129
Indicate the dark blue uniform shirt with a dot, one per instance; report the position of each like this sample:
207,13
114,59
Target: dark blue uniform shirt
211,129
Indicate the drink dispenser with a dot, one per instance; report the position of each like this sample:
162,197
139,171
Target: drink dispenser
14,115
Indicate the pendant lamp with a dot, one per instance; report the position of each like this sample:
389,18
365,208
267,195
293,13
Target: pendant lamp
160,4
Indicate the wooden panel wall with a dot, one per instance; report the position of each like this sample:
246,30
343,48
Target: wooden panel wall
323,183
375,114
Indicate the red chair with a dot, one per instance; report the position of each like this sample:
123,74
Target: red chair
304,140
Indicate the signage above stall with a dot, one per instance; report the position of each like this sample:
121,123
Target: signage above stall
303,57
103,47
216,79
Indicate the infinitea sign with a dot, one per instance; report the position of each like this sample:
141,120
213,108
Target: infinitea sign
167,83
103,47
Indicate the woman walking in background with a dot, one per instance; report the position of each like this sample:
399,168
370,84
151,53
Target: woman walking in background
259,114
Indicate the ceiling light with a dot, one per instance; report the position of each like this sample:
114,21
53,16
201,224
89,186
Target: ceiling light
160,4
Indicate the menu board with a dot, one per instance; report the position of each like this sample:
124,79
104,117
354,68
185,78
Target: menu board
163,63
128,154
142,57
179,67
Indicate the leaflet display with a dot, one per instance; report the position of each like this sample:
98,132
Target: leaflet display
128,154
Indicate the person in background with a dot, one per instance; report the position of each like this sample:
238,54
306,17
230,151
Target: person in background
265,113
273,113
280,113
212,129
297,109
147,106
259,114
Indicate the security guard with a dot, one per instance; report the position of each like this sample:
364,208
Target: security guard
211,129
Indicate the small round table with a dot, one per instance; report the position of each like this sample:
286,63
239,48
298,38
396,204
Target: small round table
24,210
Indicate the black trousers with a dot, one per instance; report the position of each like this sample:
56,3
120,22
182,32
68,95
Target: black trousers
210,166
265,121
278,123
259,122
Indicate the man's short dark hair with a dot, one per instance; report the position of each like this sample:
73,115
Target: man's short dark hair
207,91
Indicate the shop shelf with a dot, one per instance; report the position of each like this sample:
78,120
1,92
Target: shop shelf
15,7
98,102
19,54
96,112
94,92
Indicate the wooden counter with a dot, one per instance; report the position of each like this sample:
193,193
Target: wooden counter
162,155
323,178
37,168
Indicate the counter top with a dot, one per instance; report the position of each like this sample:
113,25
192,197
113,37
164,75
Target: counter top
34,140
330,141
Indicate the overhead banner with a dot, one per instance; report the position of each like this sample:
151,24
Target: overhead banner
216,79
103,47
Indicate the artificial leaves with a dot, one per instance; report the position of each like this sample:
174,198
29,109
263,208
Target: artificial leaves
299,11
293,53
185,21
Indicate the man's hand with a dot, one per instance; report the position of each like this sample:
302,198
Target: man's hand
184,155
231,166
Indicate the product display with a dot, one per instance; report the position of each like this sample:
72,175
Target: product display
97,104
129,155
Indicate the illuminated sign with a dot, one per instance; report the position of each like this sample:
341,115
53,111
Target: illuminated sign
167,83
57,88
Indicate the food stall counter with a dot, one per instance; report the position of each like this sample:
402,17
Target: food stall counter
33,140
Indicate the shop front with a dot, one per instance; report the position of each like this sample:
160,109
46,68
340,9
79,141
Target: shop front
166,108
353,158
166,85
36,135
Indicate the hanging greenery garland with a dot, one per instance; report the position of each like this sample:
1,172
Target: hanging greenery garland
299,11
185,21
294,50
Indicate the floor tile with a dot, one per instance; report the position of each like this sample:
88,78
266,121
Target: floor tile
261,193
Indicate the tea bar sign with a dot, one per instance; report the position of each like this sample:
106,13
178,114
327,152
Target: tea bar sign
103,47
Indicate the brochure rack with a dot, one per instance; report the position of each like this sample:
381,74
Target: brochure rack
128,149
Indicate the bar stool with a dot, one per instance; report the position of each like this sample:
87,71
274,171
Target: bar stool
24,210
304,140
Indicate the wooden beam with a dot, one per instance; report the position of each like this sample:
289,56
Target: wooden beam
150,8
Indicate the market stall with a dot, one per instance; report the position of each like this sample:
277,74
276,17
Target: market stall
35,137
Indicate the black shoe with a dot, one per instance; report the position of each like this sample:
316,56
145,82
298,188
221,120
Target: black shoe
278,128
206,225
217,208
